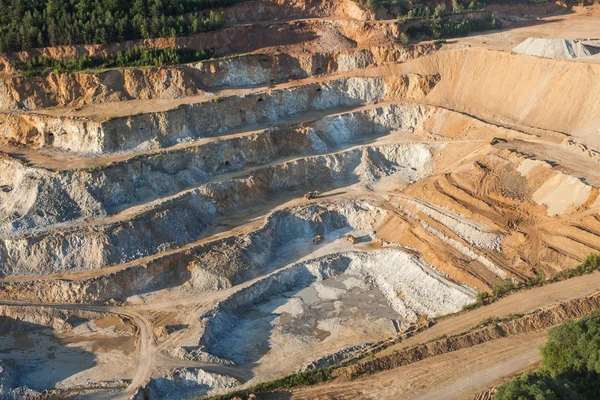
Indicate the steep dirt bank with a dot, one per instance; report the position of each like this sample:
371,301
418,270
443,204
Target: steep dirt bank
478,82
458,375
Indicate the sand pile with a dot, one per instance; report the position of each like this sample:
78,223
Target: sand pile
555,48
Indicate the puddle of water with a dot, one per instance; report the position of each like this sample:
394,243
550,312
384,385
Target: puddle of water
113,321
23,341
285,317
255,314
126,344
326,306
371,302
321,334
308,295
335,283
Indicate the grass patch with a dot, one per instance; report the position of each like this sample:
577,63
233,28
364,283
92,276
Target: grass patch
306,378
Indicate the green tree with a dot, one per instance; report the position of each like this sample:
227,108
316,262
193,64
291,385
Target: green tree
457,6
574,347
535,386
570,367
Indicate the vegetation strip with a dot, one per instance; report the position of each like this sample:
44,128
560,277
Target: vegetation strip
132,57
444,28
403,4
507,286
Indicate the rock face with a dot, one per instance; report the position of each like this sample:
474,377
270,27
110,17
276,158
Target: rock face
78,89
199,120
9,388
410,287
59,196
186,383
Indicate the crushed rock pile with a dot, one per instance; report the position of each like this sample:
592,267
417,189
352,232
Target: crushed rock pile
555,48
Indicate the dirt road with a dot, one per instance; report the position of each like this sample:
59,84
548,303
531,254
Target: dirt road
455,375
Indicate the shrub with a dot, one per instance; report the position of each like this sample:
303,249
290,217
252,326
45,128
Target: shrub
483,297
505,286
404,39
590,264
540,278
535,386
457,6
298,379
438,27
489,321
440,10
573,347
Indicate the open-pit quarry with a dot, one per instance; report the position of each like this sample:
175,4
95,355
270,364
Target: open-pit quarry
319,191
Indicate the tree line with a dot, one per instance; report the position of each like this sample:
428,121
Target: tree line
409,4
131,57
26,24
440,28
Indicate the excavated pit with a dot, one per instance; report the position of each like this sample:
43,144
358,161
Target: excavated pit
373,294
161,210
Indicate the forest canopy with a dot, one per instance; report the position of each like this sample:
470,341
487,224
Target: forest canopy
26,24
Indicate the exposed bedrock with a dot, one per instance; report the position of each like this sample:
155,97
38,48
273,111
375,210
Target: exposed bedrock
186,383
58,196
191,121
76,89
182,219
211,265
